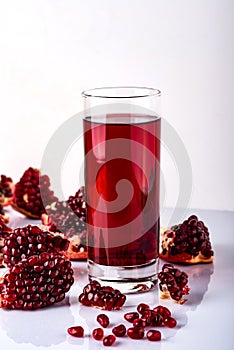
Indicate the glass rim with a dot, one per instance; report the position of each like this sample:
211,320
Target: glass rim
96,92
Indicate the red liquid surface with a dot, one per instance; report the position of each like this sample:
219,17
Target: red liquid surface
123,222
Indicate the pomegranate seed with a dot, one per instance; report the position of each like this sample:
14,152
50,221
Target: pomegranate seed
119,331
131,316
170,322
139,322
109,340
103,320
98,333
76,331
153,335
135,332
141,308
162,310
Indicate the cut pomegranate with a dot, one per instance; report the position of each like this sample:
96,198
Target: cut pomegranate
69,217
109,340
76,331
98,333
105,297
173,283
4,233
119,331
103,320
38,281
188,242
131,316
31,240
153,335
135,332
32,194
6,190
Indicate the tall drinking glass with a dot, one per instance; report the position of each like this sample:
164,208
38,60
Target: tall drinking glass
122,166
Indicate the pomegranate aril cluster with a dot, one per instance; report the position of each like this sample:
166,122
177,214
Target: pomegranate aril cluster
32,193
24,242
38,281
173,281
106,298
190,237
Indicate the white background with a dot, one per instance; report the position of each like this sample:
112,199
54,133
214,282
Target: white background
51,50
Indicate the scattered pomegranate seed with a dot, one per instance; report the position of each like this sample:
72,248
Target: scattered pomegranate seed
131,316
76,331
109,340
162,310
170,322
139,322
136,332
153,335
98,333
119,331
103,320
141,308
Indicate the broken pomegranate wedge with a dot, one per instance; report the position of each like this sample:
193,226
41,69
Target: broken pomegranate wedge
69,217
30,240
32,194
188,243
173,283
6,190
38,281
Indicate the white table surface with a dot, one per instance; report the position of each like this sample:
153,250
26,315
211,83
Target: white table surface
204,322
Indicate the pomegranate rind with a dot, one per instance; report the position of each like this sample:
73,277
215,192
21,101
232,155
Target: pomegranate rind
182,258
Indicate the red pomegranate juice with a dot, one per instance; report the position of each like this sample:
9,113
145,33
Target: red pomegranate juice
122,182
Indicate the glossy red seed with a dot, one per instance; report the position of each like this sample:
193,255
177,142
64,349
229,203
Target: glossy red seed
139,322
141,308
163,311
153,335
131,316
170,322
98,333
119,331
76,331
103,320
135,332
109,340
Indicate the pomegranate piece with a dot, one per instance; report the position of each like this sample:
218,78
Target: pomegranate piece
103,320
31,240
131,316
153,335
76,331
119,331
188,242
36,282
69,217
173,283
109,340
32,194
98,333
141,308
105,298
6,190
136,332
170,322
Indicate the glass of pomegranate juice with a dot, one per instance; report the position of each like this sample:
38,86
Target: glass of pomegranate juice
122,166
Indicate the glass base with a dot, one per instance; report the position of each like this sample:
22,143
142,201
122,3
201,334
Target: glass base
128,279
